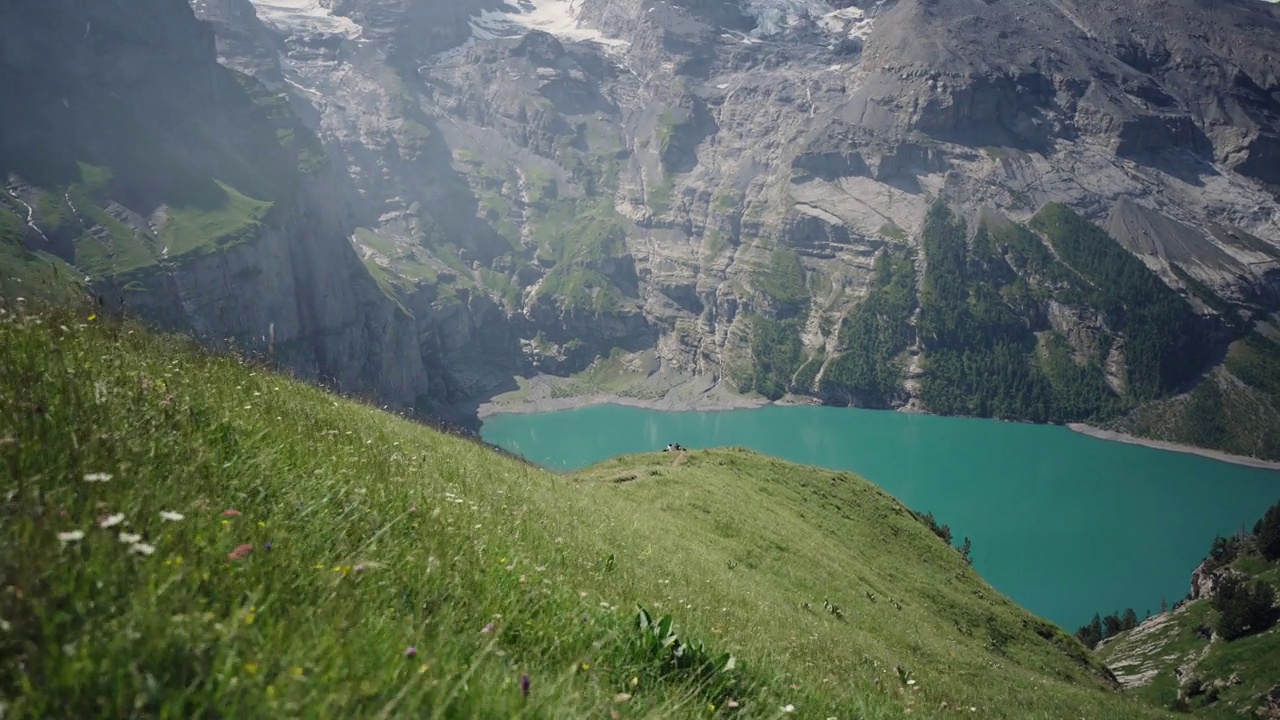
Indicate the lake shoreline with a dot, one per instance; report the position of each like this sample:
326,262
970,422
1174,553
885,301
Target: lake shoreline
684,394
699,394
1114,436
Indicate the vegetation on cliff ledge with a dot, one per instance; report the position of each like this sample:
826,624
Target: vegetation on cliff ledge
1217,653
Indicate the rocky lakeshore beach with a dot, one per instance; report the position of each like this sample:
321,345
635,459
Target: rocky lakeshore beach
1114,436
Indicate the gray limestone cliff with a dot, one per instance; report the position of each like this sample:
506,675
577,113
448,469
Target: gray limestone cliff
189,194
533,185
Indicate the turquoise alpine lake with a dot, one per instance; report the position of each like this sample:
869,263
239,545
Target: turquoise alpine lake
1064,524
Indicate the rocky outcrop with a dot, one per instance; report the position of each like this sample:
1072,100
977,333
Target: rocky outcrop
1271,702
242,40
1206,579
302,301
1082,327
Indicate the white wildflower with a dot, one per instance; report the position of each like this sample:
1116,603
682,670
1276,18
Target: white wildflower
111,520
170,516
71,536
129,538
143,548
97,477
789,709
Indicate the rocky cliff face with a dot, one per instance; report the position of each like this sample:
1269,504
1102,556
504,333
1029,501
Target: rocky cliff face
1206,579
190,194
538,183
708,135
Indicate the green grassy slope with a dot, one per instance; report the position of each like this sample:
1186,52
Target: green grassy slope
231,219
372,535
28,274
1179,639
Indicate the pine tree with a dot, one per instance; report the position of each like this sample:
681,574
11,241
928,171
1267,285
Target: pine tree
1267,533
1244,608
1112,625
1090,635
1129,620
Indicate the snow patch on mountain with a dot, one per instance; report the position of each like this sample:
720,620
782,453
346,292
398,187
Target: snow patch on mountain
775,16
305,17
562,18
851,22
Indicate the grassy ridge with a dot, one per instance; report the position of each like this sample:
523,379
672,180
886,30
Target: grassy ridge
303,555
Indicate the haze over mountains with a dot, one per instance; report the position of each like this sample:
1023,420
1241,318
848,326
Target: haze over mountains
468,190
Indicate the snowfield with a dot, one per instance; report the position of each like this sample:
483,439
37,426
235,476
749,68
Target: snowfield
305,16
561,18
775,16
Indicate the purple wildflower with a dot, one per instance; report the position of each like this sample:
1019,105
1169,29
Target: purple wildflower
411,651
266,545
524,685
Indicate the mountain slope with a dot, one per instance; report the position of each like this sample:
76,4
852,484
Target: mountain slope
696,188
730,174
316,541
1206,656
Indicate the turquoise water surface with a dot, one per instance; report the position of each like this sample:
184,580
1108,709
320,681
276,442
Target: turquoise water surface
1064,524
